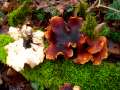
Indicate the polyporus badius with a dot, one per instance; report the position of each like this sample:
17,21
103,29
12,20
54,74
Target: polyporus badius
62,36
94,50
18,55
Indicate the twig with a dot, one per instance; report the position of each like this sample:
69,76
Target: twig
97,4
92,7
103,6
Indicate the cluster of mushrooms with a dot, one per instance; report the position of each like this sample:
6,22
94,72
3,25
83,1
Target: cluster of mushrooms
62,37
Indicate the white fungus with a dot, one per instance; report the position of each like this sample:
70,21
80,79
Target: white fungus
15,33
26,31
18,55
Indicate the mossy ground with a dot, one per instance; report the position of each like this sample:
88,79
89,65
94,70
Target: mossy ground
52,74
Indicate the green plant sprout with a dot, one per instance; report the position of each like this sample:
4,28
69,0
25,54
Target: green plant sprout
89,26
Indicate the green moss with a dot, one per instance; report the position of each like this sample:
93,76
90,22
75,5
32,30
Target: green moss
3,55
53,74
18,15
4,40
81,8
40,14
89,25
115,36
105,31
112,35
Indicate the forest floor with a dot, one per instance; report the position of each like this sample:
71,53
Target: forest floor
52,74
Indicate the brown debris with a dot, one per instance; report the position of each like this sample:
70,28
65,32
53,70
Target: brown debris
12,80
8,6
59,4
114,48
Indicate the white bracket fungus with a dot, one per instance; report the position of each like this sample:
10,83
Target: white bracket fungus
18,55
